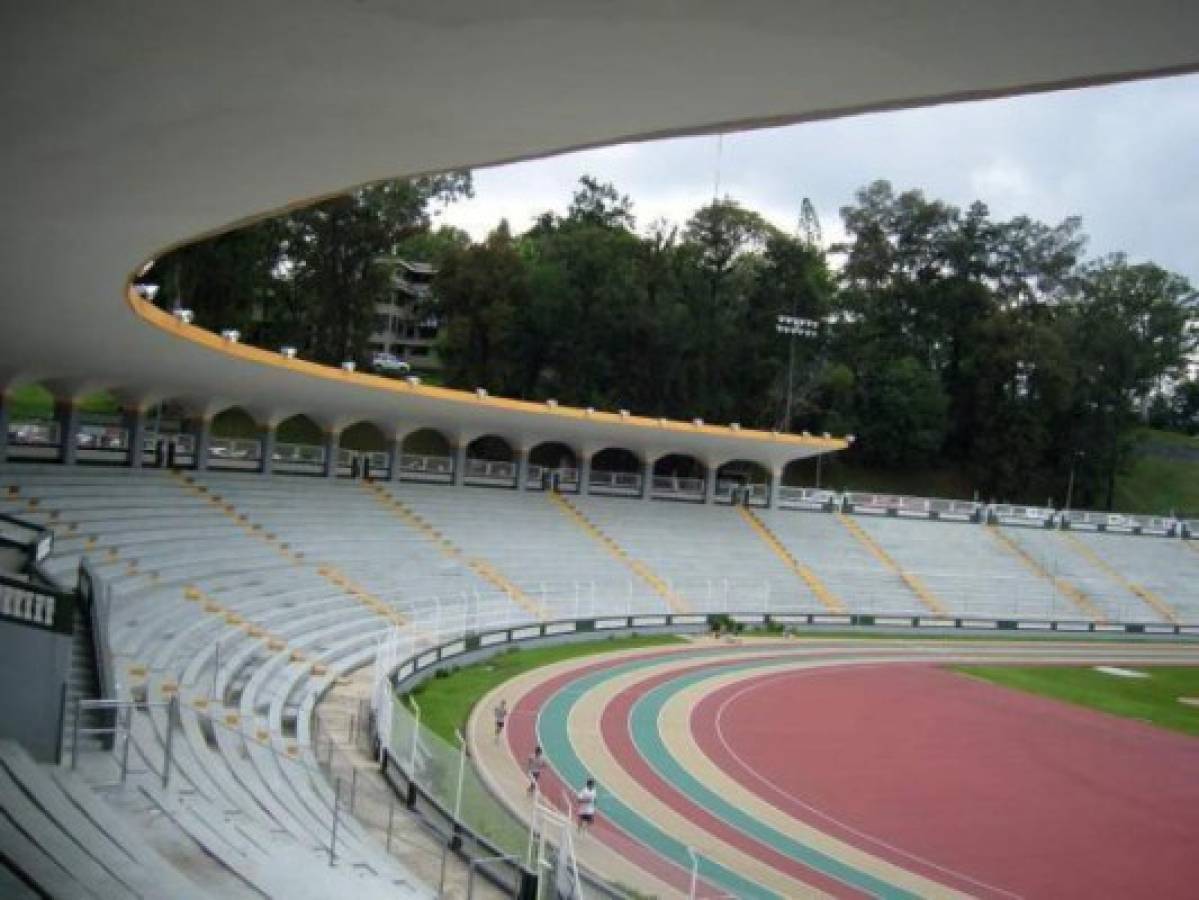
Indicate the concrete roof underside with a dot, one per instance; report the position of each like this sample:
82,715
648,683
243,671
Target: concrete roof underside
136,125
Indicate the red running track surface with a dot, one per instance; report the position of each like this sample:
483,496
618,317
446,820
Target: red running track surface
1024,794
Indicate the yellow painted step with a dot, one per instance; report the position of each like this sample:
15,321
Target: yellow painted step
830,600
914,584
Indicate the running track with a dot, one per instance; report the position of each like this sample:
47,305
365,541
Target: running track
855,769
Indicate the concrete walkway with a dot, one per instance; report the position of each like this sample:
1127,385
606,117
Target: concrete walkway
414,843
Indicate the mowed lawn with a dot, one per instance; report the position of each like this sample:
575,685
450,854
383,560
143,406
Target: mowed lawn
446,701
1153,699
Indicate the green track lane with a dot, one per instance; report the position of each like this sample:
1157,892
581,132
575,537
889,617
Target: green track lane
554,737
643,722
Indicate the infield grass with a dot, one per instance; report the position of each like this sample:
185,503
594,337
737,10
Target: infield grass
446,700
1153,699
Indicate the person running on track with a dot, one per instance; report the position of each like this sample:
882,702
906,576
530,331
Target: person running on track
534,767
501,716
586,798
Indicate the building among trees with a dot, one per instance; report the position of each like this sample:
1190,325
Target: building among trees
406,323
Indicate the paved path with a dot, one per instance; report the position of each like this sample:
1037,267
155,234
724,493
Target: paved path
374,801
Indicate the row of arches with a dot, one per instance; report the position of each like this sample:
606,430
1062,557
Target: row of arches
385,449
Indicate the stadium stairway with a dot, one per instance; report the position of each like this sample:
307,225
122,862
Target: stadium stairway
831,601
914,583
1085,605
1059,554
537,609
1151,598
673,601
704,554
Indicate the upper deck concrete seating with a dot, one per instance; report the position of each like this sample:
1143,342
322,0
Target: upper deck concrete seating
1053,550
847,568
708,554
966,568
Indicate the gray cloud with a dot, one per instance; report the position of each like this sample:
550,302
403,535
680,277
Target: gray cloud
1125,158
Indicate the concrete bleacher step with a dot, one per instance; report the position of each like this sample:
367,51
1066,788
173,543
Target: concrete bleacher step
76,813
271,865
28,863
39,813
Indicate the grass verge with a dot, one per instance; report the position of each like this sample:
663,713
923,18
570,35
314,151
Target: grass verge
1153,699
446,700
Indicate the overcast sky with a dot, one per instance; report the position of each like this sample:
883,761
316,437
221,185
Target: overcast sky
1125,158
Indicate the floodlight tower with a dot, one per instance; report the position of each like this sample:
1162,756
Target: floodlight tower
793,327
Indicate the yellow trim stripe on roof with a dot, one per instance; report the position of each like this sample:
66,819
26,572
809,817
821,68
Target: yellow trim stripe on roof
168,323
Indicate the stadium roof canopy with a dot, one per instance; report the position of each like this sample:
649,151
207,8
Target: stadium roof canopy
135,125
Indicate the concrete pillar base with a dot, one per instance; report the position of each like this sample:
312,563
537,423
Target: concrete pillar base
266,462
135,431
67,415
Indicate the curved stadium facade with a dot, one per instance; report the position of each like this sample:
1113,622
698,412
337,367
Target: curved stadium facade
184,602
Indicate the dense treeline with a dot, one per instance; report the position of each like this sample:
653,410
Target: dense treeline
941,335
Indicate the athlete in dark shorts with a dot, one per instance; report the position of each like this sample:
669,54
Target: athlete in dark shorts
586,798
534,767
501,716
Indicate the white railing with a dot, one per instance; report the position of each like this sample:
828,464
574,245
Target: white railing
303,454
537,475
1118,521
807,498
27,605
615,481
490,469
430,465
237,449
671,485
1014,514
33,434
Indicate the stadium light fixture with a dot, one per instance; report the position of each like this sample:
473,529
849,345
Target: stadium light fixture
186,316
232,335
287,352
793,327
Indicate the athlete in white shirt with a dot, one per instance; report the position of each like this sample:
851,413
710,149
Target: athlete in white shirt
586,798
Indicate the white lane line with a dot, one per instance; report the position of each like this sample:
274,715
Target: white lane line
857,832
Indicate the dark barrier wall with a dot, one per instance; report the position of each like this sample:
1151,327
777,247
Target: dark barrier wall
33,669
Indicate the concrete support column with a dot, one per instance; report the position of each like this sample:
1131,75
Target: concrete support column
331,448
584,466
135,432
202,431
522,470
710,485
394,450
67,415
772,489
3,426
266,437
647,481
460,464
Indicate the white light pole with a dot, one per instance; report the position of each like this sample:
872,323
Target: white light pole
793,327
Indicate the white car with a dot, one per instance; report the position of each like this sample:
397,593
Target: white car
389,364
